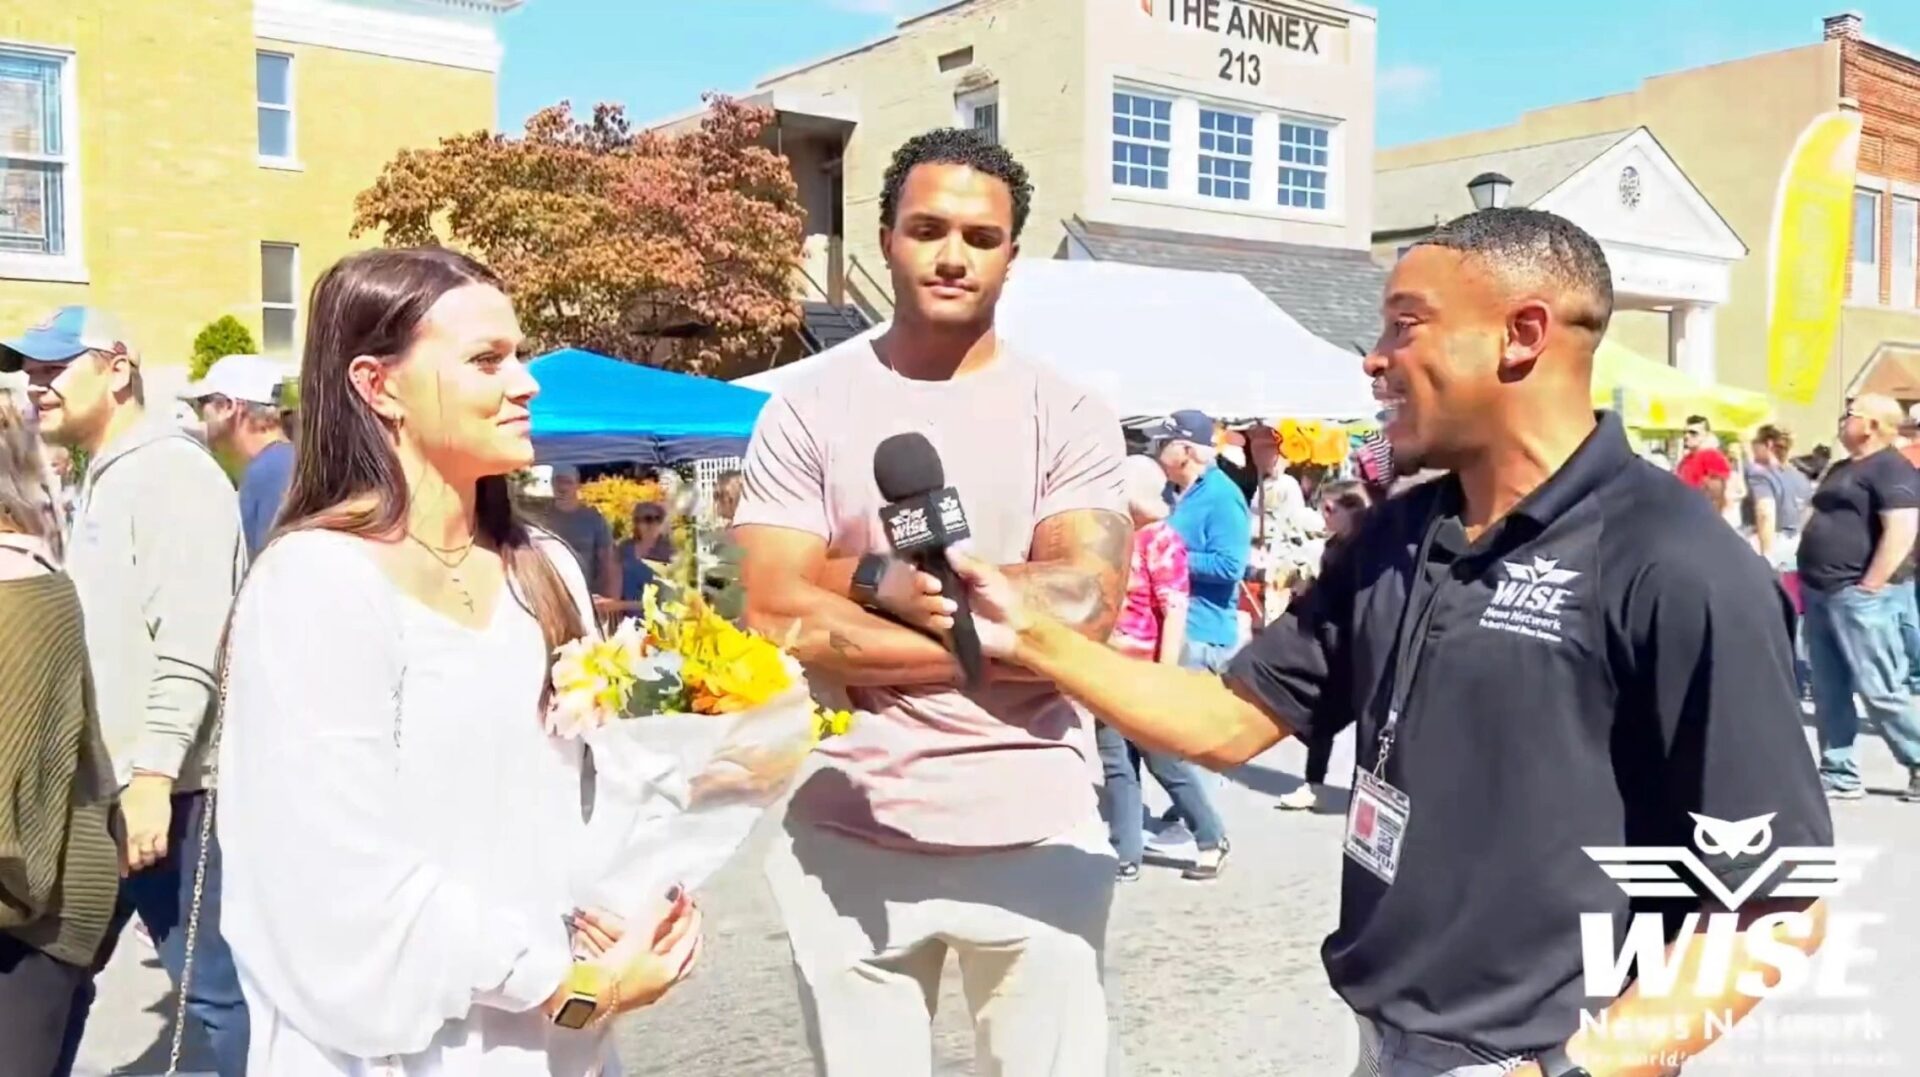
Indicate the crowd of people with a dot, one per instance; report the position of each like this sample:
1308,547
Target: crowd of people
1545,644
1840,535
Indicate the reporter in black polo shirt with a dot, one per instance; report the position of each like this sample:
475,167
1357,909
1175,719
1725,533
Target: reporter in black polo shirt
1556,646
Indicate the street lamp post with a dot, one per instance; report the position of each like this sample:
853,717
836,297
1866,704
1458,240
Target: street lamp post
1489,190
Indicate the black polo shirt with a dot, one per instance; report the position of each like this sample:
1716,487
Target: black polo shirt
1605,660
1841,539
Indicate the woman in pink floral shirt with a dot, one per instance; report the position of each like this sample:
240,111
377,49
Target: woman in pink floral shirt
1152,626
1153,619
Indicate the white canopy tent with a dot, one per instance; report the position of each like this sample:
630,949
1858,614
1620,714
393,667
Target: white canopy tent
1153,341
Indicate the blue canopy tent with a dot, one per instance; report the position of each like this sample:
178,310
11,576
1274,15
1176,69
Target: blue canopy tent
596,410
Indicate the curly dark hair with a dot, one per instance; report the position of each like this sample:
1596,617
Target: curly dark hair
954,146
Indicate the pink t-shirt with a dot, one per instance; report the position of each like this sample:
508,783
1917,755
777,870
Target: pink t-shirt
1157,577
932,766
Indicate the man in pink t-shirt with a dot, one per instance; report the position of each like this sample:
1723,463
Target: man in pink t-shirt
944,820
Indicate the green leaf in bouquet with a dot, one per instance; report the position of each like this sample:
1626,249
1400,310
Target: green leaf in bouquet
665,695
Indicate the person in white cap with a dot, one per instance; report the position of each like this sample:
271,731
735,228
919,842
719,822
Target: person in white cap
239,403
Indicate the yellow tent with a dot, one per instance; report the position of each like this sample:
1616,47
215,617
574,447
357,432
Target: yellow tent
1650,395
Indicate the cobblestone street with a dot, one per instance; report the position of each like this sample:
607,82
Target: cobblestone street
1206,978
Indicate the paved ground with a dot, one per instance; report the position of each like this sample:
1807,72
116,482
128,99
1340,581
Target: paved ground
1207,978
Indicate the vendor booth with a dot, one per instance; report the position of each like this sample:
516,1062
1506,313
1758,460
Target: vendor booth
593,409
1154,341
1652,396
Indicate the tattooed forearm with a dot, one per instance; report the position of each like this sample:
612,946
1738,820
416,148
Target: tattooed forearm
1078,570
840,644
823,629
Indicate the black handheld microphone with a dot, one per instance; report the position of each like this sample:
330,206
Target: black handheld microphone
923,517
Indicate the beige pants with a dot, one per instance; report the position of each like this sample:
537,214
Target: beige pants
871,927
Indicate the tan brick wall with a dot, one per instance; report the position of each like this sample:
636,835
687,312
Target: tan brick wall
1034,49
350,126
1055,62
173,202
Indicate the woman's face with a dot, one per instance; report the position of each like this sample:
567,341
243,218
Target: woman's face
461,391
647,527
1338,519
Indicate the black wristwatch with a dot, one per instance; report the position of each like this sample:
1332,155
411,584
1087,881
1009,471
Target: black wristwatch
867,574
1555,1063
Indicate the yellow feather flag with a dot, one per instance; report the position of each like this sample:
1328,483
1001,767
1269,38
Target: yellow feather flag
1807,275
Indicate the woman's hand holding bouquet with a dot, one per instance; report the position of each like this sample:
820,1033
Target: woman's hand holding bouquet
695,727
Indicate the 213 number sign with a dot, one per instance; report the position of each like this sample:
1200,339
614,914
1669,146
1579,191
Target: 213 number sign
1241,67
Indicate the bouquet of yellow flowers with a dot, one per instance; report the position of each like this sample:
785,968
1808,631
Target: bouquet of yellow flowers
695,726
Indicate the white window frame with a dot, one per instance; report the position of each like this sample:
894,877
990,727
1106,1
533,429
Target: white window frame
1906,278
1183,187
69,266
1325,171
1865,289
1149,143
967,108
293,290
291,160
1248,158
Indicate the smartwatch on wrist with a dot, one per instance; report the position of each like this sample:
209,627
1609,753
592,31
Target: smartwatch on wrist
867,574
1555,1062
583,986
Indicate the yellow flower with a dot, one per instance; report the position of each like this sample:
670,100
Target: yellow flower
1296,443
830,723
592,679
724,668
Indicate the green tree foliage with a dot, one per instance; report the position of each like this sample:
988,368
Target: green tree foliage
223,337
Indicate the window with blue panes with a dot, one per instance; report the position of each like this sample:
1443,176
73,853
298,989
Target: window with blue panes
34,157
1142,141
1303,165
1226,155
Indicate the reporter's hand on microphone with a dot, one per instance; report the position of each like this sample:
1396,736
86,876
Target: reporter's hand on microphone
914,597
1000,610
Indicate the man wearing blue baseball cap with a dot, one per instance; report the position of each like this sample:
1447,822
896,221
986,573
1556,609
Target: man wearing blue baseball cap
1211,517
156,555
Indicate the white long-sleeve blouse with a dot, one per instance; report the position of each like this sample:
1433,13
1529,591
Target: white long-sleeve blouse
397,829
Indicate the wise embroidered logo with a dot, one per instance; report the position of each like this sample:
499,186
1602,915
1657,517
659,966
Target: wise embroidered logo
1531,600
1643,955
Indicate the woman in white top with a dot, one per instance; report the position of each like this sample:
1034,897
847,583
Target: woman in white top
399,831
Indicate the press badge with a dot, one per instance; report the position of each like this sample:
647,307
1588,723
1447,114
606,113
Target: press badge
1376,824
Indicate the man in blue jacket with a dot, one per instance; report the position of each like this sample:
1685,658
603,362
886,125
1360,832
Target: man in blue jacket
1210,516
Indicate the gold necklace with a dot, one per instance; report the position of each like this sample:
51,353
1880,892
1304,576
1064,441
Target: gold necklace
451,564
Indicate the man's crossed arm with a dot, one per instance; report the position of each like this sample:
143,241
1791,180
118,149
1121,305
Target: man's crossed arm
797,595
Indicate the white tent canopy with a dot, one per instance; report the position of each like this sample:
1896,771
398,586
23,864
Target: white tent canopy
1153,341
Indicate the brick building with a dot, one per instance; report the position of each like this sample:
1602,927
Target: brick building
1729,130
1884,83
1229,135
175,162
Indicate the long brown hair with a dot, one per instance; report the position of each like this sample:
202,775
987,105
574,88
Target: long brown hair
27,504
347,477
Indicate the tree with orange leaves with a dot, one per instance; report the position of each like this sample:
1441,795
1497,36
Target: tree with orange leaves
672,250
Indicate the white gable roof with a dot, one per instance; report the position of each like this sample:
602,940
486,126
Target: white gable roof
1634,195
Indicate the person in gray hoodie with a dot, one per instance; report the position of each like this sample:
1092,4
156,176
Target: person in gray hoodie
156,554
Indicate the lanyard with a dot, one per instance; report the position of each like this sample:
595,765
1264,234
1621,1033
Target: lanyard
1409,641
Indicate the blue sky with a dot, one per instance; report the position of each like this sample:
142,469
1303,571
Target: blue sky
1445,65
